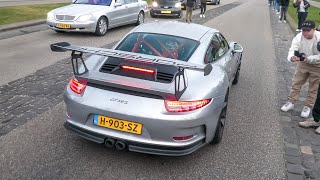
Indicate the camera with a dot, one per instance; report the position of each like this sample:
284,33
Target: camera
302,56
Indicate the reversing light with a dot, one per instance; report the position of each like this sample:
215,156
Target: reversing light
138,69
77,86
184,106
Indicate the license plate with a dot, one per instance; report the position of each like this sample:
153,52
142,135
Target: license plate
166,12
64,26
117,124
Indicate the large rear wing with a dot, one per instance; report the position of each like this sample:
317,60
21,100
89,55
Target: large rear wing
77,52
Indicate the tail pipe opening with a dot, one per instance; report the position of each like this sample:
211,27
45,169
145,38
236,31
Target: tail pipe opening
120,145
109,142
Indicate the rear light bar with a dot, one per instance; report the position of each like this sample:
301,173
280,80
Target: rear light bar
184,106
77,86
138,69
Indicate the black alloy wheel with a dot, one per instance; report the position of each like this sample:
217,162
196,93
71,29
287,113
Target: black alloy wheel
236,78
221,123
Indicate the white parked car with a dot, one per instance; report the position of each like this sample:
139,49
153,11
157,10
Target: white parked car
97,16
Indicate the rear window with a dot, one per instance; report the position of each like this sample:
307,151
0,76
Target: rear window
159,45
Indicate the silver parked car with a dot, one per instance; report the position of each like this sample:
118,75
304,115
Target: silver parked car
214,2
97,16
162,90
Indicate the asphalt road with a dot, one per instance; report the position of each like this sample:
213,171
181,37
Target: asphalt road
252,147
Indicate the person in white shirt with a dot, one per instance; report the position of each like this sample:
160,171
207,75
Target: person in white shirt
303,51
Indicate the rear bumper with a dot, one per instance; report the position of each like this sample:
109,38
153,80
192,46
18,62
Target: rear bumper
135,146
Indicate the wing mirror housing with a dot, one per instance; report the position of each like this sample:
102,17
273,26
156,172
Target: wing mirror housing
236,48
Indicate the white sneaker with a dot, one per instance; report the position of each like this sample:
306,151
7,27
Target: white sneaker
201,15
318,130
284,21
279,16
277,12
309,123
305,112
288,106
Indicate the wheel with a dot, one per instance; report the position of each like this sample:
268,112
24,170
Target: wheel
102,26
220,126
140,19
152,15
236,77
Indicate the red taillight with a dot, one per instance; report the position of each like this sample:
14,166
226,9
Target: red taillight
77,86
182,138
184,106
138,69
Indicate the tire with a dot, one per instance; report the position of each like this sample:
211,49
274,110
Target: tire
180,15
102,26
221,123
140,18
236,77
152,15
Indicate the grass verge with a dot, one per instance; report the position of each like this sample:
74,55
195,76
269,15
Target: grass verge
14,14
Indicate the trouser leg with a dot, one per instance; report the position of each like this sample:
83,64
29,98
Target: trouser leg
316,108
314,80
285,9
300,77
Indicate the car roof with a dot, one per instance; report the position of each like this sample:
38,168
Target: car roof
175,28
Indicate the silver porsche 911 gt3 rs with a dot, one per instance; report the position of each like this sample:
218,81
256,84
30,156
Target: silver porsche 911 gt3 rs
162,90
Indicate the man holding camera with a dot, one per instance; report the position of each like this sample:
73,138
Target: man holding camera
303,51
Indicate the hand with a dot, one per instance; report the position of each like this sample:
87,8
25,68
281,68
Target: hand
294,59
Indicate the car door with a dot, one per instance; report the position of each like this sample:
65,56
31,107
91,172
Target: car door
225,51
133,10
119,15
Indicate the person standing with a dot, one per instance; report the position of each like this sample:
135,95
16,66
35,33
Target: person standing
308,67
203,7
283,11
302,10
189,9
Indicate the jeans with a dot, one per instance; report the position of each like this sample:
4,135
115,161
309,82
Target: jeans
203,7
302,16
276,5
283,13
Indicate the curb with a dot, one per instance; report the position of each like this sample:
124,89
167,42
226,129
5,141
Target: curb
14,26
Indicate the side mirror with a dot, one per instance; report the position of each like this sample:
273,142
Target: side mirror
237,48
117,4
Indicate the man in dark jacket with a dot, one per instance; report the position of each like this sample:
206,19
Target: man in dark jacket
284,8
302,10
189,8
